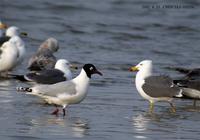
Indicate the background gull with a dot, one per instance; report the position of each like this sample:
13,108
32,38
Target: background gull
154,88
44,58
8,56
12,51
191,88
67,92
60,73
11,32
190,82
12,35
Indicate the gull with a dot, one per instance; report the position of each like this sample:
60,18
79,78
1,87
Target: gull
190,87
154,88
44,58
190,83
12,35
60,73
8,56
64,93
11,54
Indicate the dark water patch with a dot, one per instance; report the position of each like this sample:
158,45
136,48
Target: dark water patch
128,37
157,25
159,52
122,2
16,137
116,67
123,26
69,7
181,29
107,82
76,31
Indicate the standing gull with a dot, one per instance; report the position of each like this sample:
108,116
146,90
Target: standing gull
64,93
12,35
8,57
154,88
60,73
44,58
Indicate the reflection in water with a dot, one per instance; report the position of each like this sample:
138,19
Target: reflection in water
4,84
140,124
79,128
149,124
60,126
143,122
5,87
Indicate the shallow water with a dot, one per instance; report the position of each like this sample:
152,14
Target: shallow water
113,35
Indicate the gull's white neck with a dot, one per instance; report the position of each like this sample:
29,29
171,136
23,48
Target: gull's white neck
143,73
20,46
82,83
139,81
82,78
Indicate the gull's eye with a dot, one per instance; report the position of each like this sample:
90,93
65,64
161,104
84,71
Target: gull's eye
141,64
91,68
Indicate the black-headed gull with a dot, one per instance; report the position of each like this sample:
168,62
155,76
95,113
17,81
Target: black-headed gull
64,93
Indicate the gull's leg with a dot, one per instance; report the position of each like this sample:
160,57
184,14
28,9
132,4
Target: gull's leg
56,111
194,102
172,107
151,107
64,111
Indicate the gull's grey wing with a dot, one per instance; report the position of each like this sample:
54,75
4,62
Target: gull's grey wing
3,39
54,90
47,76
160,86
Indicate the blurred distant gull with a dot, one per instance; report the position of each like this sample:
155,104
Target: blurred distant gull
60,73
64,93
11,51
154,88
8,56
12,34
44,58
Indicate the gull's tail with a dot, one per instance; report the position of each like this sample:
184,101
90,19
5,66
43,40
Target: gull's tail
24,89
18,77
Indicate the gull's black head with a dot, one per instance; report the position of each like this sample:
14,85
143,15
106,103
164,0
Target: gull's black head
91,69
